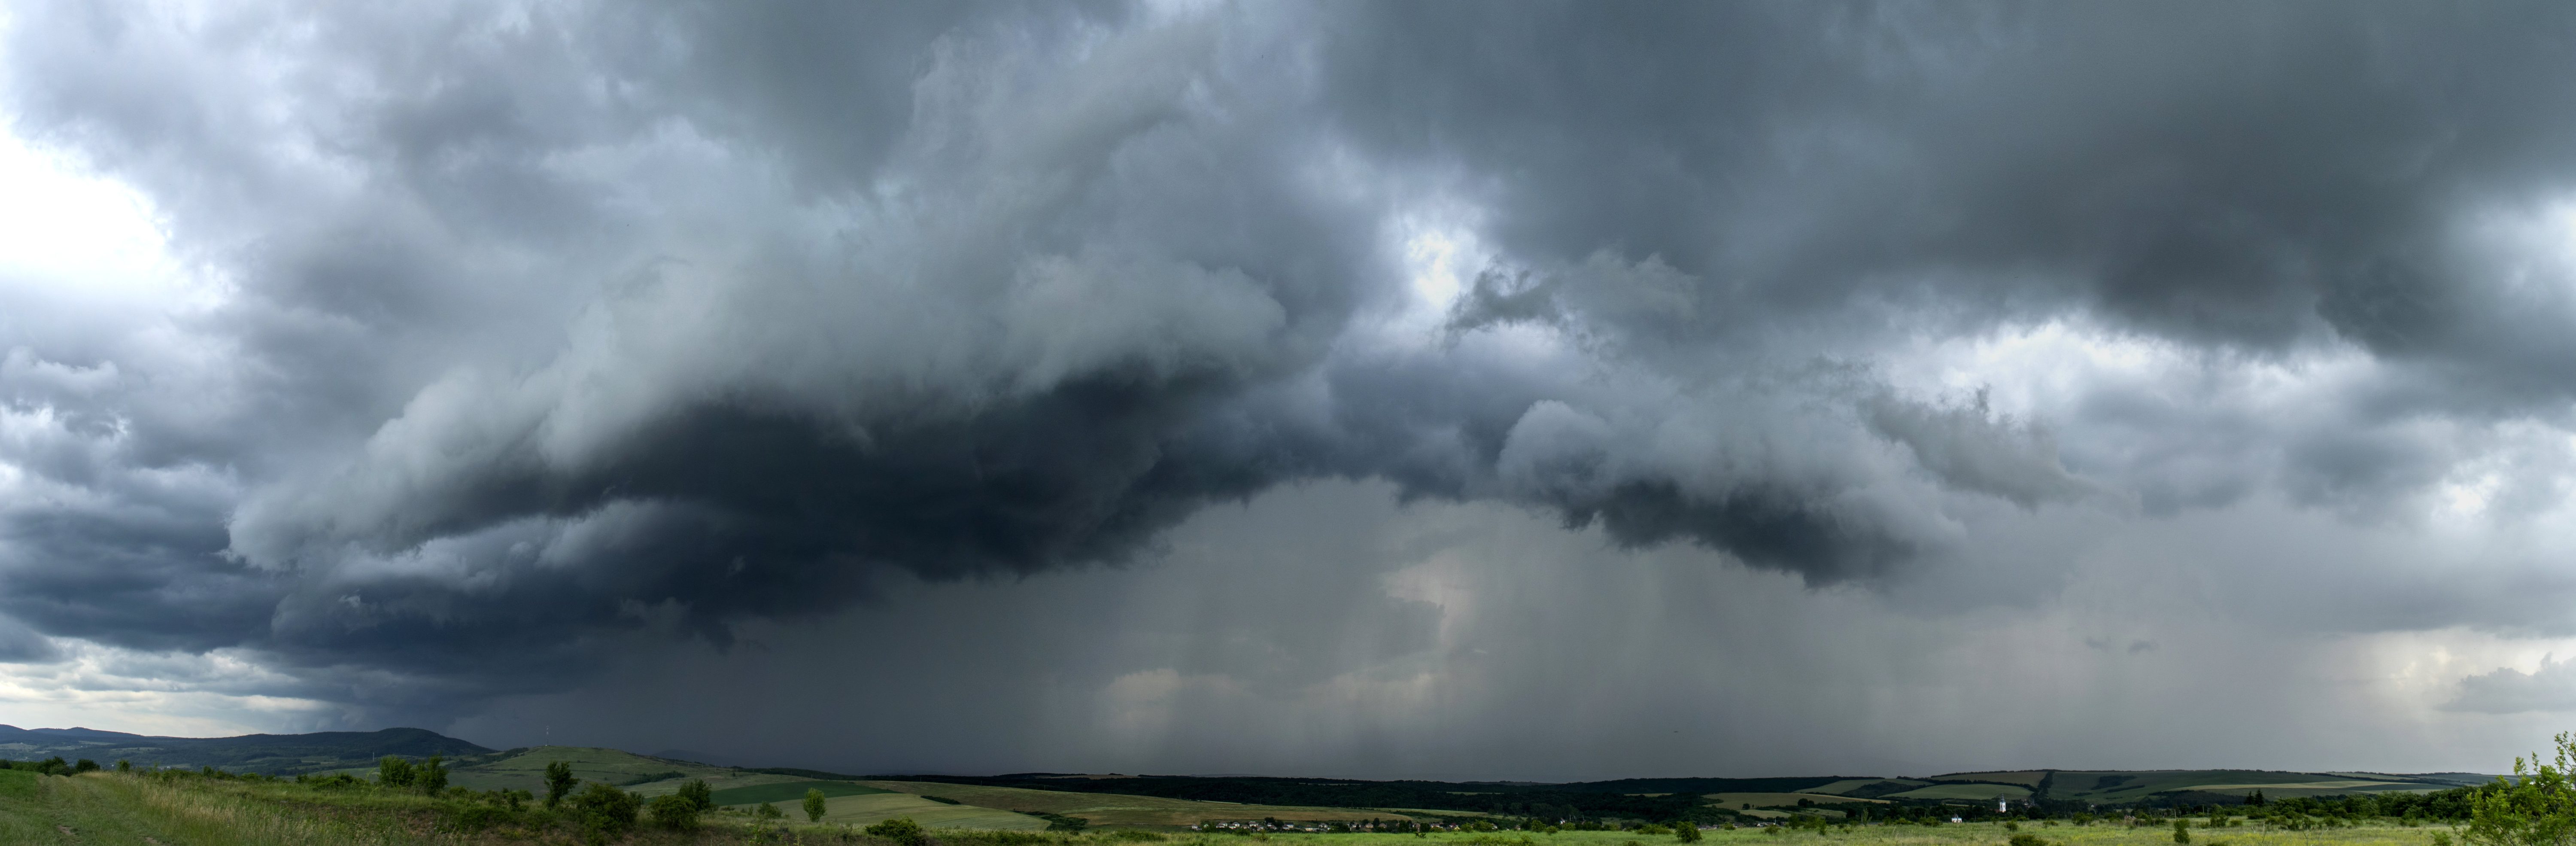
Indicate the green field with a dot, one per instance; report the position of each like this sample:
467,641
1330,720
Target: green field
870,808
1965,790
1764,800
791,791
112,808
2130,786
2025,778
1867,786
1113,809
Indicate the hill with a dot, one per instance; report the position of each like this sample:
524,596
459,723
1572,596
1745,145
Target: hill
275,754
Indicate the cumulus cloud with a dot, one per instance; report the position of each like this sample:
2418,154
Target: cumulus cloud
2505,690
516,333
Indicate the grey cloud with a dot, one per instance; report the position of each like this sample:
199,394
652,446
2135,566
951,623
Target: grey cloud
22,645
560,327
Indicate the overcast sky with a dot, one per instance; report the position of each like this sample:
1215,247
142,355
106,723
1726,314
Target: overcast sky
1461,390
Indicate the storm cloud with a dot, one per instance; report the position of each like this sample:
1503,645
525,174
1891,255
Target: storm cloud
493,341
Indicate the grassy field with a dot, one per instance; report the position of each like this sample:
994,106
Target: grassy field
1968,834
1113,809
109,808
1852,785
1758,800
2025,778
790,791
872,808
1965,790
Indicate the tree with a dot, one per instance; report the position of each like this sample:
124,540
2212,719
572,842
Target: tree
2537,808
124,766
85,766
901,830
559,782
674,812
1686,831
54,766
607,813
395,772
813,804
433,775
695,790
2182,831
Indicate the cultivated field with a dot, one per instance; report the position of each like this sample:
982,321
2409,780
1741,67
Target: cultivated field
1968,834
1118,809
109,808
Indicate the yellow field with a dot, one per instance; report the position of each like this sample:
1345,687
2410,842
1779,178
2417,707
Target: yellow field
1117,809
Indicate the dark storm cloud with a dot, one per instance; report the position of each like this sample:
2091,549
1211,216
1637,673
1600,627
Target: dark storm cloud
550,324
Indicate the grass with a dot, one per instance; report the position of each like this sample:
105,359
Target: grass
1965,790
1962,834
2110,787
791,791
1761,800
869,809
1851,784
123,810
2025,778
1117,809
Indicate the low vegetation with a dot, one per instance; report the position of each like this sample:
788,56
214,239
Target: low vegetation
408,801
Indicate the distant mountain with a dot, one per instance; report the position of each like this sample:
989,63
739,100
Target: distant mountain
277,754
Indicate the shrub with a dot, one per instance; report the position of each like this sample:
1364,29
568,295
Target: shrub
85,766
395,772
2026,840
124,766
54,766
2182,831
768,811
900,830
1686,832
814,804
674,812
699,795
606,812
559,782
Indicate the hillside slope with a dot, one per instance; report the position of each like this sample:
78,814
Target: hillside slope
276,754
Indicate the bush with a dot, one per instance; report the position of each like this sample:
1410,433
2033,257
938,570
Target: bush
606,812
674,812
768,811
124,766
699,795
1686,832
900,830
2182,831
54,766
2026,840
814,804
85,766
395,772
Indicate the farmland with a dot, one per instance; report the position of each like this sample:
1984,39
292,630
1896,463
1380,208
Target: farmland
1112,809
